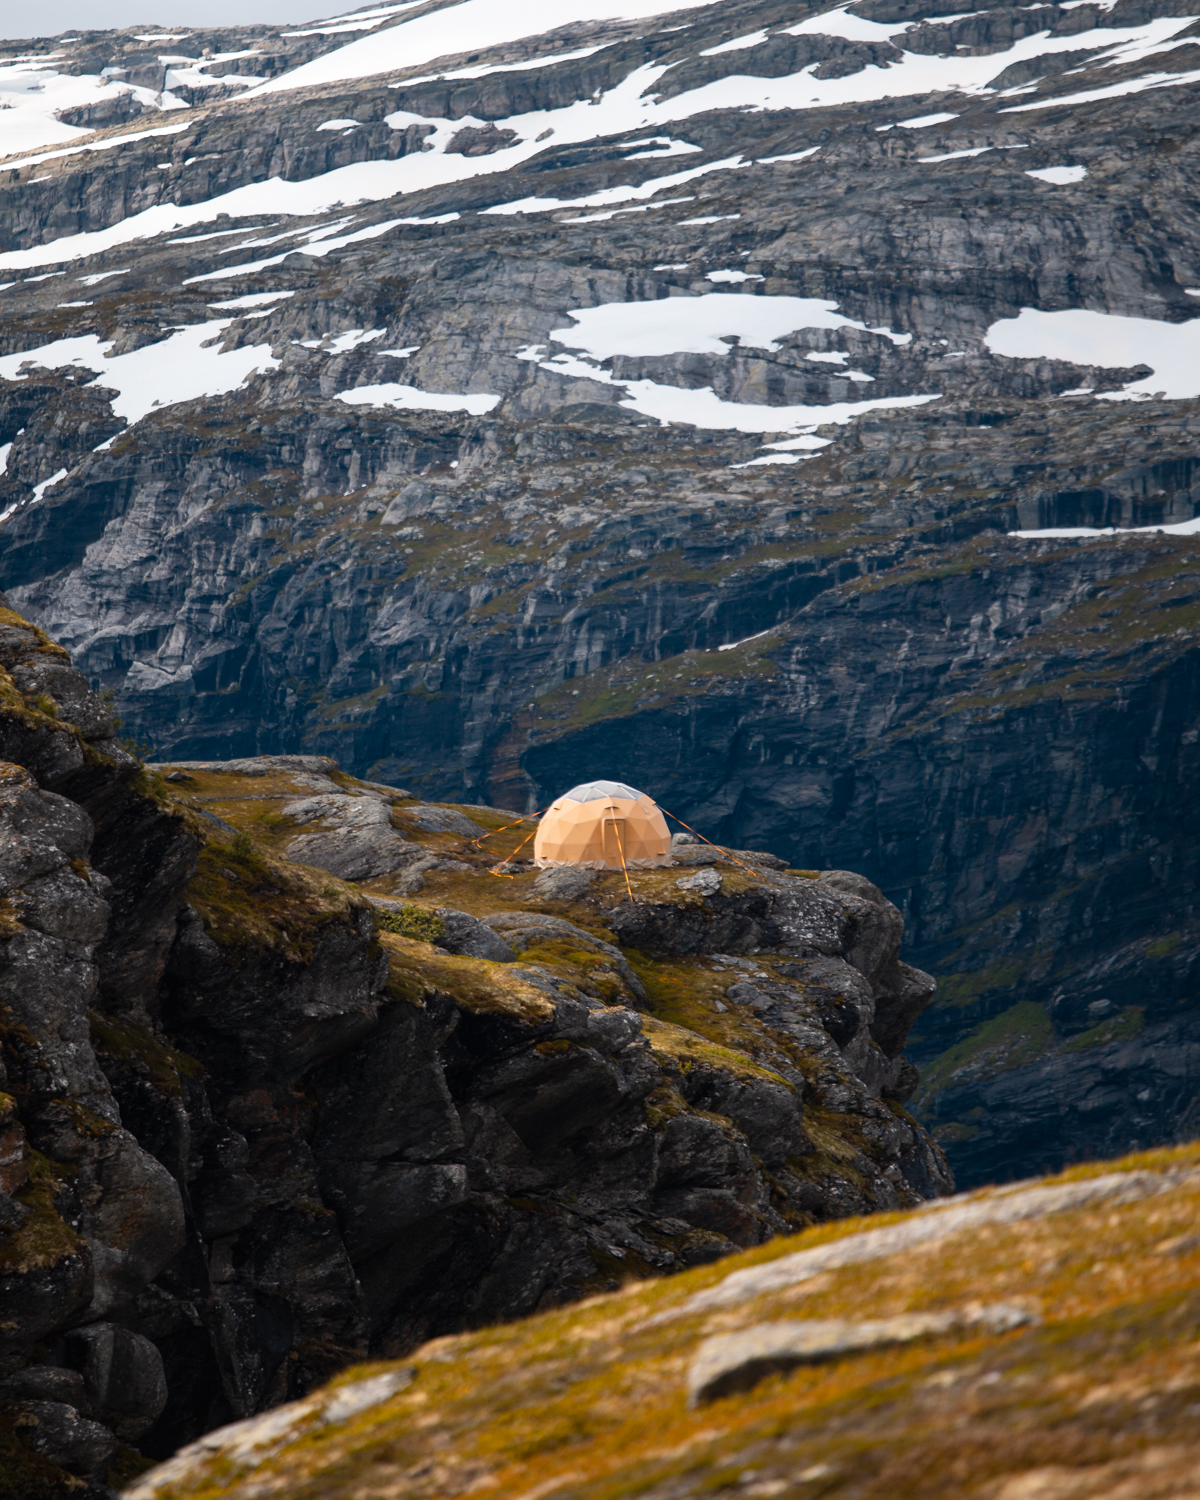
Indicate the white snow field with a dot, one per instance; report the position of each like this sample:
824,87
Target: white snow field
1111,342
703,407
409,398
487,23
700,325
627,107
1177,528
182,367
1059,176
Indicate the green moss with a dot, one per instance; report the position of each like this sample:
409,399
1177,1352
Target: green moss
1163,947
954,1130
1120,1028
966,988
133,1044
1015,1037
474,984
241,846
127,1465
258,901
24,1474
412,922
690,1051
43,1238
593,972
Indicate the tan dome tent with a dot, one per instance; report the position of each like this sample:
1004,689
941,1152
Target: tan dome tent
593,825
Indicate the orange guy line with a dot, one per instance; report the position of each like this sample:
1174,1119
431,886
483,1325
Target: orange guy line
710,843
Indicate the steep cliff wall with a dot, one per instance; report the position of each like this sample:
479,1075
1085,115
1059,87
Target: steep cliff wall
260,1120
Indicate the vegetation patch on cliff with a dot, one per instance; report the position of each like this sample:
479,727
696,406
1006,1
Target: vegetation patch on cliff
591,1401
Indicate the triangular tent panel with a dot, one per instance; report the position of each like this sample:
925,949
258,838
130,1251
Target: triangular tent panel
595,824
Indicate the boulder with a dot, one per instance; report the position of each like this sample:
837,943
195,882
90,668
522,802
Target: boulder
565,883
738,1361
443,820
468,936
520,930
361,853
59,1433
123,1375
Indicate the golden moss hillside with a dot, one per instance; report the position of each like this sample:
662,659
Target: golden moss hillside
1098,1395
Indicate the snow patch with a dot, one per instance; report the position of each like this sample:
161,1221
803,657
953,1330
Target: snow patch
107,145
353,338
627,108
183,367
253,299
841,23
408,398
485,69
738,44
956,155
746,639
478,24
619,194
699,325
47,484
363,20
1059,176
704,408
768,161
1178,528
1109,341
613,213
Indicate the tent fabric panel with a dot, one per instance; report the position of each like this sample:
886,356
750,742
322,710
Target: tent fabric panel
573,833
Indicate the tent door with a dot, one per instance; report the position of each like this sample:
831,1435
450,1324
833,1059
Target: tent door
615,840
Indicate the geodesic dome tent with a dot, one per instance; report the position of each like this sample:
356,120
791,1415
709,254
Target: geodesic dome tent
603,825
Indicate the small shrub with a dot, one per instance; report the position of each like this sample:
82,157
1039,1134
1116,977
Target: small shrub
242,845
412,922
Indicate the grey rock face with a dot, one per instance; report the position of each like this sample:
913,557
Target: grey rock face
467,935
486,605
521,931
563,884
356,853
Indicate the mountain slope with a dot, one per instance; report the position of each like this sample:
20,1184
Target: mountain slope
444,393
1038,1343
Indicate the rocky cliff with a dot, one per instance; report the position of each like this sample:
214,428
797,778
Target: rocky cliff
686,387
291,1077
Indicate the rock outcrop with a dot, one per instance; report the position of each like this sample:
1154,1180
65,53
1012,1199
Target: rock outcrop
260,1121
